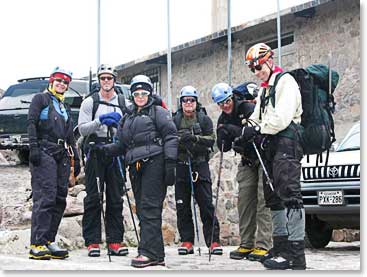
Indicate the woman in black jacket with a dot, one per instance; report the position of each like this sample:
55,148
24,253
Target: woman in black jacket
147,137
51,140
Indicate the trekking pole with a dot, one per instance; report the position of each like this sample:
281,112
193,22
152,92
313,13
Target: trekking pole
100,193
268,180
126,190
193,203
216,200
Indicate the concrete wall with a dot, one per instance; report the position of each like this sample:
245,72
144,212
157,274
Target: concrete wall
334,27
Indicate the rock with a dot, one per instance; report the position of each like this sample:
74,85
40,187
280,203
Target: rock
74,191
73,207
168,234
15,242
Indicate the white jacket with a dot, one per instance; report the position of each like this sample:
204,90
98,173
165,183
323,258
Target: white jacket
288,106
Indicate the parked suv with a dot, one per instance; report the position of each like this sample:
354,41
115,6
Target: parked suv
14,107
331,193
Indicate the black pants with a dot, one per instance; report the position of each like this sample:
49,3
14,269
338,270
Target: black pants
203,196
49,183
110,176
284,167
149,192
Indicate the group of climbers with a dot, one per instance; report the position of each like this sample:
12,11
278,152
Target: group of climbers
157,150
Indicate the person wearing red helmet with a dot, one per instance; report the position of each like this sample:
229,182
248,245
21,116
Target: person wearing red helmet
51,141
278,121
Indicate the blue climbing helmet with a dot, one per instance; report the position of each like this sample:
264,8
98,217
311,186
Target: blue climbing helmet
141,82
221,92
189,91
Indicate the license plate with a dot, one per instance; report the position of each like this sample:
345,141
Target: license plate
331,197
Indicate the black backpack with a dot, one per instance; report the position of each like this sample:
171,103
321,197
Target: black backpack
242,91
318,106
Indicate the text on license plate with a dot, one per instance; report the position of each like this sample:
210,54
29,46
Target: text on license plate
334,197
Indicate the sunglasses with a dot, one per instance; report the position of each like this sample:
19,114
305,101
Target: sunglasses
257,67
222,103
188,100
140,93
109,78
62,81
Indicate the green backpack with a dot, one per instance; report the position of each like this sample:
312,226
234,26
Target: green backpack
318,106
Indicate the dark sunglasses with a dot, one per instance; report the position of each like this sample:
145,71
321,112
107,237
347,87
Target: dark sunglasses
257,67
188,100
140,93
62,81
222,103
109,78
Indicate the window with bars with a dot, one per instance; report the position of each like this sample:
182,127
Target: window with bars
153,74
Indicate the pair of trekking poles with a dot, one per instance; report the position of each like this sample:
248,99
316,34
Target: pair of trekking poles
101,188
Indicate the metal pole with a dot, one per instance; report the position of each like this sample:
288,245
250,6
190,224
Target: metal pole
279,36
229,41
169,65
98,33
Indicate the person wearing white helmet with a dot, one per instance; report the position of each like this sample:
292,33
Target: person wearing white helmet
51,143
98,127
147,138
278,119
254,218
196,138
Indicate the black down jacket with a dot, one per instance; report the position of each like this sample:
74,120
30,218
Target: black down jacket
147,133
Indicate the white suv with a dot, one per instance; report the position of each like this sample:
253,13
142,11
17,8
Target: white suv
331,193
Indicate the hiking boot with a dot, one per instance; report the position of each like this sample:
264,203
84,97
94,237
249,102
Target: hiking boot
56,251
185,248
118,249
93,250
39,252
258,254
240,253
216,249
143,261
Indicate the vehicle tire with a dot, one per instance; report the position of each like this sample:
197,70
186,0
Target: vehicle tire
23,156
318,233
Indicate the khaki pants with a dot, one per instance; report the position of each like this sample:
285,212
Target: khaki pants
254,218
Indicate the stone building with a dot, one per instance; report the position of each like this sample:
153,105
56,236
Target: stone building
309,33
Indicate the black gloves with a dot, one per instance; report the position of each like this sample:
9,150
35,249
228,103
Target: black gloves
233,130
170,172
35,155
188,137
249,133
223,136
76,167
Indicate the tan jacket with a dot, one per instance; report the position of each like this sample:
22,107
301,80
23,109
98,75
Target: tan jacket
288,106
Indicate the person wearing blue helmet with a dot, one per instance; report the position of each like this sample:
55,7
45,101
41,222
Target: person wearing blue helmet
196,138
52,145
254,218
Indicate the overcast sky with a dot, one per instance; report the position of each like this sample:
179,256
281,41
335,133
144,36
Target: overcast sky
37,35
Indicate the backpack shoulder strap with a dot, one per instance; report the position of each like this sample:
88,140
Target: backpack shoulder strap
121,101
177,118
272,88
95,98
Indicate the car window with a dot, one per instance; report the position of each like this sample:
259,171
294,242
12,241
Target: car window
26,88
351,142
77,87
